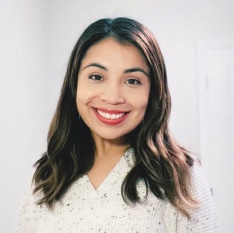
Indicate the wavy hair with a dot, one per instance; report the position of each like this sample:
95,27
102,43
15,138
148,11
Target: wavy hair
161,163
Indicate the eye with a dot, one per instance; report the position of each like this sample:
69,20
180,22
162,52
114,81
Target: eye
95,77
133,81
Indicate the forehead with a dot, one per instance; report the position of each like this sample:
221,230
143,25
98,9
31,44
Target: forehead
111,50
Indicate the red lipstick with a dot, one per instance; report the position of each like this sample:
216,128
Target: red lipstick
110,117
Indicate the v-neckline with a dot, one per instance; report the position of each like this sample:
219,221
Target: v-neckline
106,179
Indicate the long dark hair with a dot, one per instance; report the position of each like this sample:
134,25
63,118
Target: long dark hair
161,163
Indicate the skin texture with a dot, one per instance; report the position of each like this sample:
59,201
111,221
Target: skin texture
112,96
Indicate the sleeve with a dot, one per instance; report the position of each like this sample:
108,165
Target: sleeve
204,218
26,213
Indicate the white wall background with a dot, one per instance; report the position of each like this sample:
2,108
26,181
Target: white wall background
35,42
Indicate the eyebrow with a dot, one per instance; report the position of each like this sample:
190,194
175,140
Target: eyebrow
136,69
95,65
131,70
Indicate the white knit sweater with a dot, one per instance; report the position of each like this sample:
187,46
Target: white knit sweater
84,209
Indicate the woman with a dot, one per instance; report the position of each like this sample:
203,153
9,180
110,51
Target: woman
111,164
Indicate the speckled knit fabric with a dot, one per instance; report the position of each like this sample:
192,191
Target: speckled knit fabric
84,209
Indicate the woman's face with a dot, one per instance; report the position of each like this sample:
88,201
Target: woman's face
113,89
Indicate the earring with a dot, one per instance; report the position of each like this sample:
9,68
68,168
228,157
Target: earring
78,115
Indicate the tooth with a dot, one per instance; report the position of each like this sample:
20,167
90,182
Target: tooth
110,116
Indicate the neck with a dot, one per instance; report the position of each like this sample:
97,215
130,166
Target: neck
110,148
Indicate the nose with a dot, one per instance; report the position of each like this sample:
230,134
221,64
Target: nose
112,94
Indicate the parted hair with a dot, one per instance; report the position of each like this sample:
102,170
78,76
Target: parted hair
160,161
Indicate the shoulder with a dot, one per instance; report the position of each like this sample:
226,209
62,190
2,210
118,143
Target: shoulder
199,184
204,217
30,212
26,209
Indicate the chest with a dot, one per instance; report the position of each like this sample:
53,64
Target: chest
85,209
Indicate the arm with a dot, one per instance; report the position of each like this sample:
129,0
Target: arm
25,217
204,218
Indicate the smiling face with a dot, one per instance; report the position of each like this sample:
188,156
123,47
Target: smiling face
113,89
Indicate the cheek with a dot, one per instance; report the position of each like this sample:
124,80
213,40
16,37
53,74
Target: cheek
140,100
84,94
83,99
139,106
143,105
81,102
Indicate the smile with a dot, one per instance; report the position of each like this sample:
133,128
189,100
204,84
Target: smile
111,117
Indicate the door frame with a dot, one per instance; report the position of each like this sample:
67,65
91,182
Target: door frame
203,46
203,104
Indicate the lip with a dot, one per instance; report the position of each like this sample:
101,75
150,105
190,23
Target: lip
110,117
